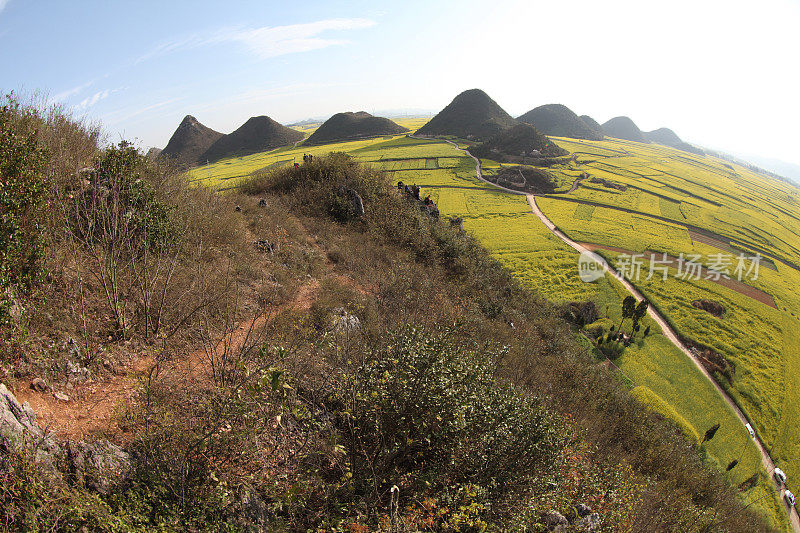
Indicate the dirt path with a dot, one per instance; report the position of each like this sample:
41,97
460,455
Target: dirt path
95,407
576,183
667,330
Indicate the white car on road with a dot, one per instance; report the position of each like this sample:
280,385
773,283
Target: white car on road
750,430
780,476
789,497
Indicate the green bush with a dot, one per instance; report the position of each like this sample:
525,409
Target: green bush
426,413
31,500
119,207
23,193
323,186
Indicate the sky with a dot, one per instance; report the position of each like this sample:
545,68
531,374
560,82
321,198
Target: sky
723,74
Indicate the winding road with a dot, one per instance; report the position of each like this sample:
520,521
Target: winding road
667,330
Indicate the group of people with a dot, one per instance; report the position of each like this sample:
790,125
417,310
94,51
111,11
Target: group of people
412,191
307,158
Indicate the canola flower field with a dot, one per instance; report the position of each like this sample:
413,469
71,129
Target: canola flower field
637,198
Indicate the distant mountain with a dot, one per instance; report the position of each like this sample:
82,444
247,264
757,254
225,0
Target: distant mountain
471,115
153,153
308,121
349,126
559,121
623,128
593,124
258,134
663,136
189,141
667,137
521,140
776,166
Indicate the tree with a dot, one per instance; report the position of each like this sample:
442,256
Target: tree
638,314
628,309
710,432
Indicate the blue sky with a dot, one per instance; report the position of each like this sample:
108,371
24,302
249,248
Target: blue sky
723,74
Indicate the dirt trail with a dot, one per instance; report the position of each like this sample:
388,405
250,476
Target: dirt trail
667,330
94,407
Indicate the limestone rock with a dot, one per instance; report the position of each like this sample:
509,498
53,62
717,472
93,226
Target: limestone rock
60,396
555,521
39,385
101,465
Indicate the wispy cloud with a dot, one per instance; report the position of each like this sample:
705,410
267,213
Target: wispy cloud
269,42
90,101
266,41
60,97
3,4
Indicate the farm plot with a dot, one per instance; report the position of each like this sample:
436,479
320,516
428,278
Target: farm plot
516,237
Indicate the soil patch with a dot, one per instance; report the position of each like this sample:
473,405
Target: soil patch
672,262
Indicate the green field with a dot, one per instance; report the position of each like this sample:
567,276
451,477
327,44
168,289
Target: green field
674,193
669,195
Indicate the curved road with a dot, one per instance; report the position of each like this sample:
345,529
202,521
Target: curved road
667,330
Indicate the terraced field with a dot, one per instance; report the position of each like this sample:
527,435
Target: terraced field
680,203
660,200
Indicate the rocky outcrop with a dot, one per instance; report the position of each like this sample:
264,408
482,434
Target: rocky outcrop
18,427
577,518
101,465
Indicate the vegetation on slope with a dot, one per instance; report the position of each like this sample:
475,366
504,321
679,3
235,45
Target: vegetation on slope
593,125
351,126
189,141
560,121
668,137
258,134
623,128
398,378
471,115
519,141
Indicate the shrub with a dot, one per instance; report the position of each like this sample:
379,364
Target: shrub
425,413
118,207
31,500
580,313
324,186
23,193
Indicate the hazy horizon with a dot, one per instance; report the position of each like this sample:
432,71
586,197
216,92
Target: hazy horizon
719,74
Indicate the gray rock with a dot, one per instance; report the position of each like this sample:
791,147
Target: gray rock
16,422
577,511
78,372
61,396
18,428
358,204
101,465
265,246
252,508
344,321
39,385
588,523
583,509
555,521
73,350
